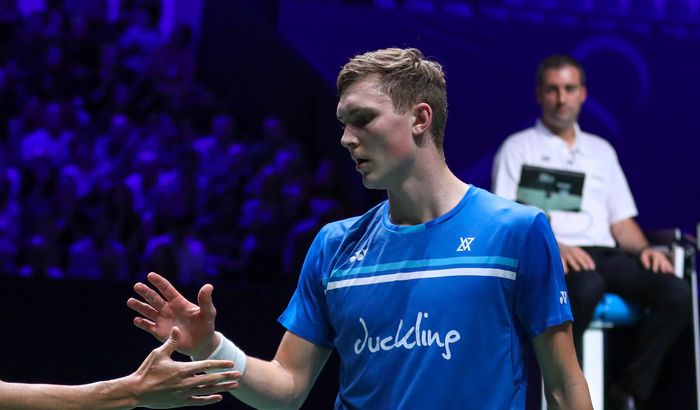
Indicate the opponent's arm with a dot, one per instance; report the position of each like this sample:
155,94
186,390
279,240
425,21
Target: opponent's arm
158,383
21,396
564,384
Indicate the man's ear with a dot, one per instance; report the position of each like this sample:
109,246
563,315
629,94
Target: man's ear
422,118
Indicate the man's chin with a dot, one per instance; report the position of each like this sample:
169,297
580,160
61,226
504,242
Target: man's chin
371,183
560,124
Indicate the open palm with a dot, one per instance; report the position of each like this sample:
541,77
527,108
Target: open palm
167,308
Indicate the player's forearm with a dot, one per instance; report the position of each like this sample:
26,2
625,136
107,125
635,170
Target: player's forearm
573,395
268,385
108,395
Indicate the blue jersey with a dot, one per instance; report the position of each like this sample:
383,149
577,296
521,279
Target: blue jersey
436,315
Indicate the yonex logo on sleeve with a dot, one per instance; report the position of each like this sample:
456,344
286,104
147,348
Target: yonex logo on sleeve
563,299
465,243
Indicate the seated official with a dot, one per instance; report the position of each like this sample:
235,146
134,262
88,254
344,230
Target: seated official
602,247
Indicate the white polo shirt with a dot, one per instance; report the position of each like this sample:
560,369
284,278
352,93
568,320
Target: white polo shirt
606,196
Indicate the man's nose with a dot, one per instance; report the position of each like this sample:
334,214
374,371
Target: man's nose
562,96
348,139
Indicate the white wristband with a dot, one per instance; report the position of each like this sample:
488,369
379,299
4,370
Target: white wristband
228,351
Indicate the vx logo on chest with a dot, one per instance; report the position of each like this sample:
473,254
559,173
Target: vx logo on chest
465,244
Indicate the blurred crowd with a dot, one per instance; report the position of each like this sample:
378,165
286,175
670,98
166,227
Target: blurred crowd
116,161
682,12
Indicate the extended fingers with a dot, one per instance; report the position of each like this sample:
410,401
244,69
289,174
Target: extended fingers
214,381
163,286
148,326
204,400
214,388
149,295
142,308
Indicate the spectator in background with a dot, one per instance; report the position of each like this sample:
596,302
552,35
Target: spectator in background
66,207
39,257
52,139
177,252
97,255
213,149
81,166
140,39
170,70
101,124
10,217
273,137
114,150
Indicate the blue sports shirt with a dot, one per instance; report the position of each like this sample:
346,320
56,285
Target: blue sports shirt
436,315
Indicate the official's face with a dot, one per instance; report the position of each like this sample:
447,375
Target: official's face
561,95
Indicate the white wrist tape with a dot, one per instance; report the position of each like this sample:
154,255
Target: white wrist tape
228,351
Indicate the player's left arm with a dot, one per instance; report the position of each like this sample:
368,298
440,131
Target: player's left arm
629,236
564,384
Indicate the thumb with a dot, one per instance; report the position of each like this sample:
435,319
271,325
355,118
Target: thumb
173,341
205,301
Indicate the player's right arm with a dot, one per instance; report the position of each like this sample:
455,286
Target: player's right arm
281,383
284,382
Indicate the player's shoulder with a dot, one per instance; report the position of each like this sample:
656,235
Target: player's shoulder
503,210
340,229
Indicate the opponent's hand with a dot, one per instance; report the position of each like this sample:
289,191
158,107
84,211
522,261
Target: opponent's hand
167,309
575,259
162,383
655,260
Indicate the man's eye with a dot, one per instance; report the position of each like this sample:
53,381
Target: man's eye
362,120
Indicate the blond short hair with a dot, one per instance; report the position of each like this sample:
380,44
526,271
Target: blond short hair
407,77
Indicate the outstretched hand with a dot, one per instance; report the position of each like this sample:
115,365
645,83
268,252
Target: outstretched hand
162,383
167,308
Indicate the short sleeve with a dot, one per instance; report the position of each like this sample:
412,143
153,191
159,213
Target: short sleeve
620,201
307,314
541,299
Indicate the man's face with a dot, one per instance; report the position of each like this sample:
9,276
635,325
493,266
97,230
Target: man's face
379,140
561,95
